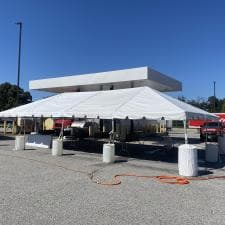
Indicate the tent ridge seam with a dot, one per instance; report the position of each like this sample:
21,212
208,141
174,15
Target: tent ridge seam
124,103
83,101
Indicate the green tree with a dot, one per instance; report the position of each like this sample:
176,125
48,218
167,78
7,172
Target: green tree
211,101
182,98
200,103
223,106
12,96
207,105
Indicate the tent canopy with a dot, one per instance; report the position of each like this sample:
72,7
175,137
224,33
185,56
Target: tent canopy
132,103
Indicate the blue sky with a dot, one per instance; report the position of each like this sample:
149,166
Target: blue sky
184,39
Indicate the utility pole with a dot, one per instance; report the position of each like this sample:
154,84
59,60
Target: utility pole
214,94
19,52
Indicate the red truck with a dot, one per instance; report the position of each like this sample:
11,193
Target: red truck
199,123
211,131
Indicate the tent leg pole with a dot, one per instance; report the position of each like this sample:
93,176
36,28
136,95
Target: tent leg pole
206,135
5,127
113,131
185,132
62,130
35,124
13,127
24,126
24,132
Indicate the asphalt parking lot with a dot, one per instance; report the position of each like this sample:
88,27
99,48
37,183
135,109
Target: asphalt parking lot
37,188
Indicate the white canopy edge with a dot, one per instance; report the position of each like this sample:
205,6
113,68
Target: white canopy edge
131,103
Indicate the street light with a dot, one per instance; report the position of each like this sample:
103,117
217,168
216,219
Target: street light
19,52
214,95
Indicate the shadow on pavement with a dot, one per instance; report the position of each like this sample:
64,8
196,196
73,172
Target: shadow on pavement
152,152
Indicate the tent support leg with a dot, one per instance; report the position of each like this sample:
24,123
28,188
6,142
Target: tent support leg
111,133
62,129
185,132
35,124
24,126
206,133
5,124
24,132
14,127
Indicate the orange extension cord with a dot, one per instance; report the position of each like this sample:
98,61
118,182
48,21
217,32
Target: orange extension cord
163,179
116,181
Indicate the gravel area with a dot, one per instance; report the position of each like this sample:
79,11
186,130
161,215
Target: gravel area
39,189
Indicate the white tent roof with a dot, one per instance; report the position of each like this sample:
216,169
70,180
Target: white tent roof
132,103
118,79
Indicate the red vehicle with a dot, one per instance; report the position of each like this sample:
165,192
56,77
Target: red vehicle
211,131
59,122
199,123
221,116
196,123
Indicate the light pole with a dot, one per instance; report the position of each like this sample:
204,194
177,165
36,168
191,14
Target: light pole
214,94
19,53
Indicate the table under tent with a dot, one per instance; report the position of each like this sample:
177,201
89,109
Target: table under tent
132,104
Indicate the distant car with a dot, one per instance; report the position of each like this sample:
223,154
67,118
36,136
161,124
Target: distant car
212,130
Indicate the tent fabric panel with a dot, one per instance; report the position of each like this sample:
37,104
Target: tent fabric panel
132,103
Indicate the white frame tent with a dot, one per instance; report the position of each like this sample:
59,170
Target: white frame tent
131,103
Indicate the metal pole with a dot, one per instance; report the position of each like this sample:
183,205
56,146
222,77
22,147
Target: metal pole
113,131
24,126
62,129
19,52
214,94
206,133
24,132
35,124
185,132
5,124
